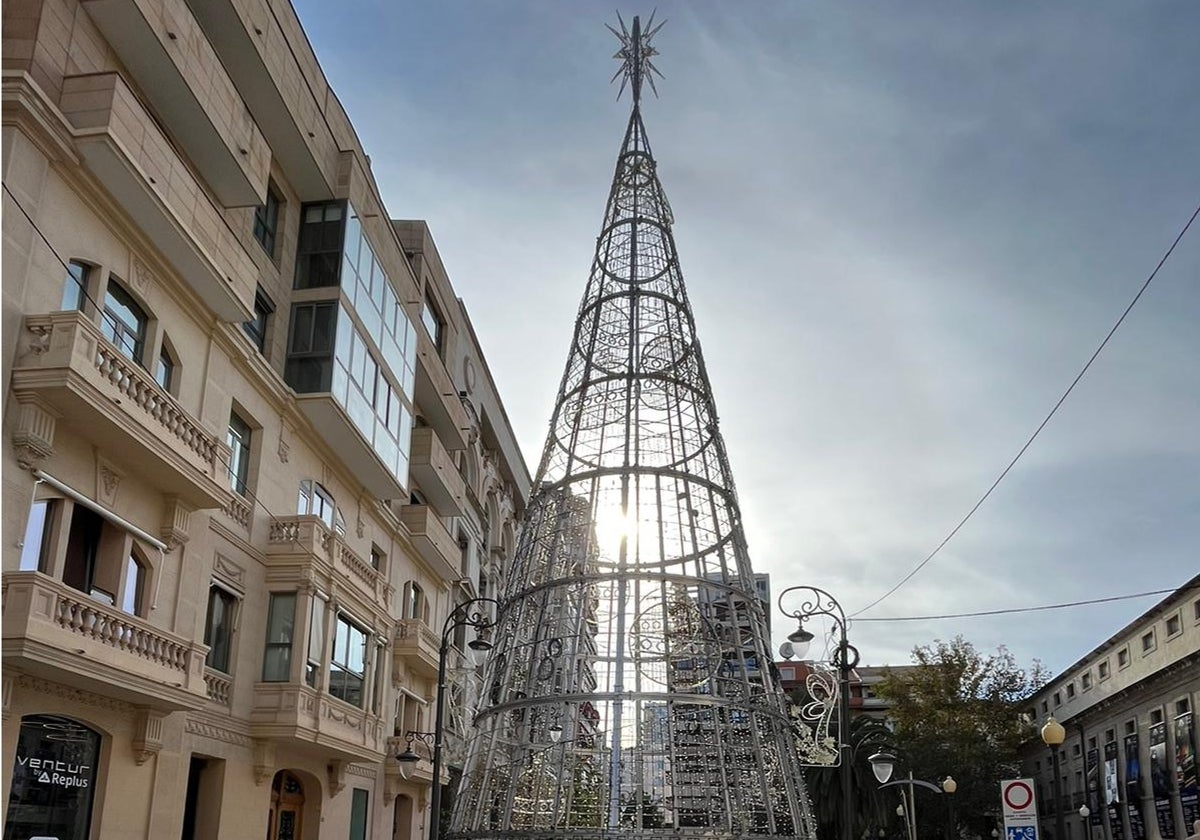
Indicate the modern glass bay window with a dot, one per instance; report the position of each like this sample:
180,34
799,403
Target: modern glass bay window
359,347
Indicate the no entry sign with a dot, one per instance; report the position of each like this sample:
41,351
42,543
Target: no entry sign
1019,805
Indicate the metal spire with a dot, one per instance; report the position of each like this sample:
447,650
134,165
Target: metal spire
629,690
635,56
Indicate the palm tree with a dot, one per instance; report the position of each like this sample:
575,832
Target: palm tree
867,737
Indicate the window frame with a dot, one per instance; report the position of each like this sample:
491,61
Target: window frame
257,327
1176,617
116,330
77,286
283,645
225,645
342,687
318,491
241,449
1149,641
1123,658
265,226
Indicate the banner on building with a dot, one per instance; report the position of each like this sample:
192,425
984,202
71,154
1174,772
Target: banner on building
1133,788
1185,768
1112,792
1160,781
1093,786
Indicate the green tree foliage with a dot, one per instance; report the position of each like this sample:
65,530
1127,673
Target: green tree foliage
867,736
959,714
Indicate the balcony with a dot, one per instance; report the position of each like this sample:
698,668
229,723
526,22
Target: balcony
434,469
333,422
283,87
416,647
218,686
56,632
303,549
437,397
314,720
164,49
122,146
65,362
432,541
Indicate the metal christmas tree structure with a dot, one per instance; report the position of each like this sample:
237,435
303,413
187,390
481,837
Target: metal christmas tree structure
629,688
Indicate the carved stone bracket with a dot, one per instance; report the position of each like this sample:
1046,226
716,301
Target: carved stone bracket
336,771
177,520
9,681
108,481
147,734
264,761
33,437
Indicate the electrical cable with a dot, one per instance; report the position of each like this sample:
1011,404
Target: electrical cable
125,345
1041,425
1013,610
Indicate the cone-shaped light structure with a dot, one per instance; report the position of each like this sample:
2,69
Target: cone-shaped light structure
629,686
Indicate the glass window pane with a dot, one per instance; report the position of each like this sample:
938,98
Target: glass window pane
131,602
74,286
35,537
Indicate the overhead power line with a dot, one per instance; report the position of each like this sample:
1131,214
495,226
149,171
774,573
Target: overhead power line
1043,608
1038,430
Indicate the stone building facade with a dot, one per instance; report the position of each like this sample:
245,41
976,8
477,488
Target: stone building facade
1129,709
253,453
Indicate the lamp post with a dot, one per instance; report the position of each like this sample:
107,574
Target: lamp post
1084,813
818,602
882,765
1053,735
467,614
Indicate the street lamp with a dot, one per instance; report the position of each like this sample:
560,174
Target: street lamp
1084,813
819,602
949,786
467,614
1053,736
882,765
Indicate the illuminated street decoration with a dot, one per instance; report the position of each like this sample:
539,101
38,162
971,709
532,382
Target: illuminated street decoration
630,686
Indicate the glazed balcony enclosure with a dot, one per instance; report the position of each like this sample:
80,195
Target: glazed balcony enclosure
65,363
165,50
140,168
54,631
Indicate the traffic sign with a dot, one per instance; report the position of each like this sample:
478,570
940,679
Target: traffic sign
1018,802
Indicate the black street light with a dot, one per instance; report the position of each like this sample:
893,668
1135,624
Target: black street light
882,765
1053,735
819,602
466,614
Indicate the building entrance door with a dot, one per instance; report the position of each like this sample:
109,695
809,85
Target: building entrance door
287,807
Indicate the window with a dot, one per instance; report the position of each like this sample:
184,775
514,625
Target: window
266,220
1156,716
358,814
316,640
39,807
1070,691
1057,699
281,624
1174,625
414,600
1130,727
1123,657
75,285
319,251
164,373
124,322
1149,642
1086,681
1045,707
256,328
377,558
433,321
134,586
315,500
35,547
1103,669
238,439
1196,610
218,629
348,665
309,366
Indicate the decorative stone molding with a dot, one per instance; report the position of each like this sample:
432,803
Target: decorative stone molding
206,729
264,761
33,437
361,770
142,276
72,696
230,572
147,734
9,680
336,773
108,482
177,521
283,449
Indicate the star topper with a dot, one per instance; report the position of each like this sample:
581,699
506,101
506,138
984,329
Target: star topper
635,55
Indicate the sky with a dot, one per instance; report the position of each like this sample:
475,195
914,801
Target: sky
903,228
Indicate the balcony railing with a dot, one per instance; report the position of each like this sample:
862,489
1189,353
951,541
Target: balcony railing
312,718
52,627
220,686
308,537
416,646
115,403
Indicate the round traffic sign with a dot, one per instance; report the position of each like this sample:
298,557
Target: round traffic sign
1018,795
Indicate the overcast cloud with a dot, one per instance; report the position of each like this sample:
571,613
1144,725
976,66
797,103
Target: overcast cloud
904,228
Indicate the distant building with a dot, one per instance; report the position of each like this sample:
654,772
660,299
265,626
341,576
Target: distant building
1129,710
